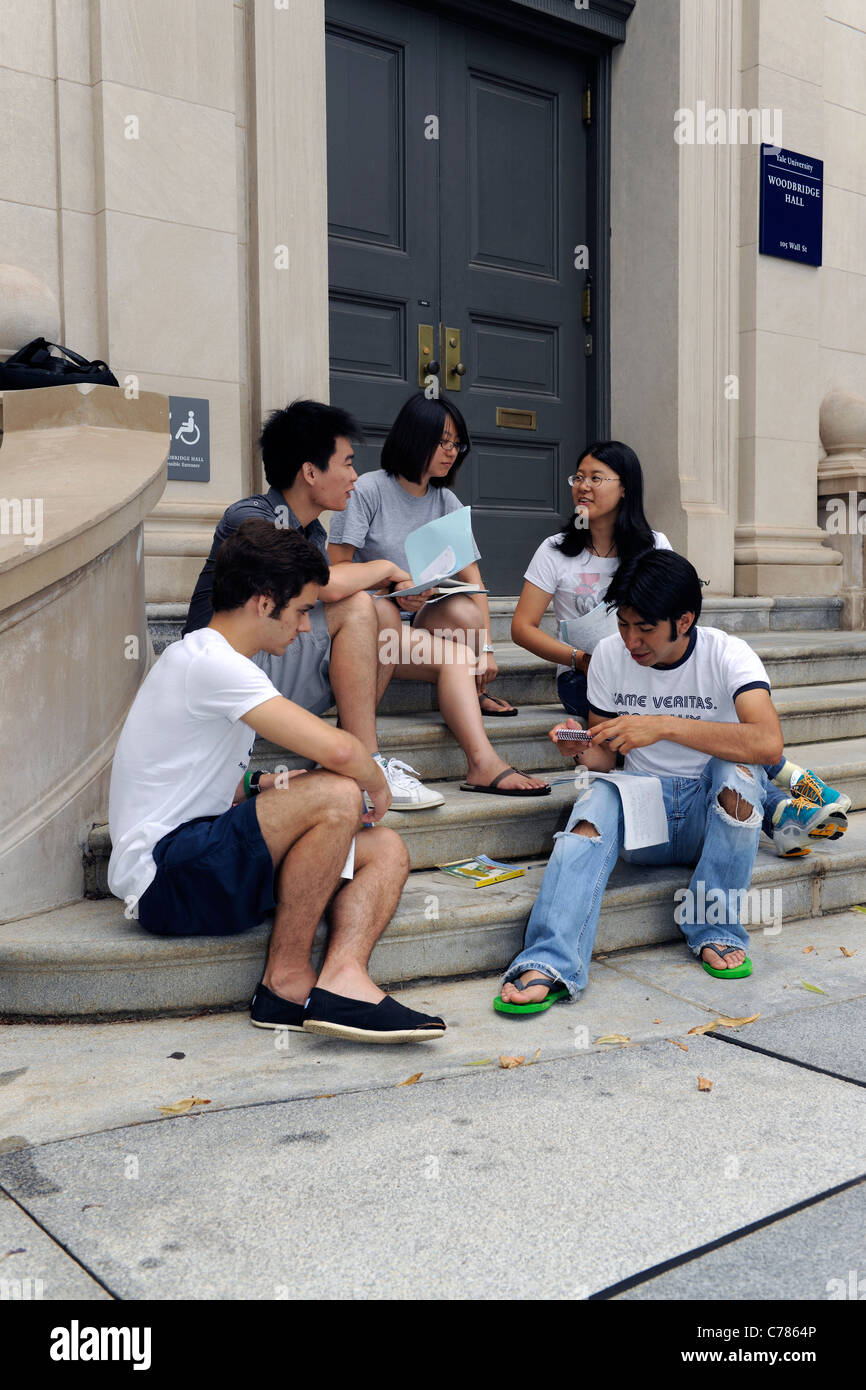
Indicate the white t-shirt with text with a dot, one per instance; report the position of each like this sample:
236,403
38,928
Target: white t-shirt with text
182,750
703,685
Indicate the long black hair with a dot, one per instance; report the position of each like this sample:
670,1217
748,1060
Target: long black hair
414,437
632,532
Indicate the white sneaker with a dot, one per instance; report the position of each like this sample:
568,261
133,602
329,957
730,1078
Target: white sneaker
407,793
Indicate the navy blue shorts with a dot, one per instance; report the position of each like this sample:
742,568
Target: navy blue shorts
214,877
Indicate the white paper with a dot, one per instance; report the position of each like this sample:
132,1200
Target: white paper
586,632
643,808
348,869
440,568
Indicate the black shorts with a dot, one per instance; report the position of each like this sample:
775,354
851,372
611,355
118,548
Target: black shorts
214,877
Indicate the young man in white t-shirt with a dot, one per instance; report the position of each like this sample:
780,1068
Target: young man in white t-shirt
198,852
692,707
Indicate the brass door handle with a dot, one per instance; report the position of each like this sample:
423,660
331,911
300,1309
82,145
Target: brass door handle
459,370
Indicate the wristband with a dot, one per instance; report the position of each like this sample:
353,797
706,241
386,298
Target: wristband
251,783
487,648
573,655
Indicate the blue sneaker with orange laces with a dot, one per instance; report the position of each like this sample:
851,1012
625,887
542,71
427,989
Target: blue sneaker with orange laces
809,786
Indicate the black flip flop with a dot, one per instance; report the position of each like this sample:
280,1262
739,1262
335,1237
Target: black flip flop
496,713
494,789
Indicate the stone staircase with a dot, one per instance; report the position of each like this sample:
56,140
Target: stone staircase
87,960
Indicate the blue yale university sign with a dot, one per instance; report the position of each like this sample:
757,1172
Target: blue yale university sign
792,189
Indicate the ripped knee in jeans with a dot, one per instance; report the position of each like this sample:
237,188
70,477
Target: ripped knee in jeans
585,827
734,805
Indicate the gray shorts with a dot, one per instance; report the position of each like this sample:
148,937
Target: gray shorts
301,673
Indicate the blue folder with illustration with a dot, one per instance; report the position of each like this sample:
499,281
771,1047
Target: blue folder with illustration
437,551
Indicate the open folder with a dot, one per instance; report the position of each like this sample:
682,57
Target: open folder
437,551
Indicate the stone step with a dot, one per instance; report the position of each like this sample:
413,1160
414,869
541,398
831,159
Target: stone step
741,615
813,714
809,714
509,827
747,615
87,960
467,823
424,742
792,659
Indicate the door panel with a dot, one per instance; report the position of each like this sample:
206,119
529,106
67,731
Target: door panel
474,231
382,200
509,281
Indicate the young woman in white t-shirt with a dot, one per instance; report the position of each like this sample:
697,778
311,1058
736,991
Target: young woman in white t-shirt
574,568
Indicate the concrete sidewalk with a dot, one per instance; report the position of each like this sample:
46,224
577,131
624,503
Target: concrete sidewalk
313,1173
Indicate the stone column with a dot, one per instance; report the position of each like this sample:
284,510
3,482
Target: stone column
778,549
842,495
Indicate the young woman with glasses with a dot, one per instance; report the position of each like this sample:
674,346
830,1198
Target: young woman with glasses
447,642
574,568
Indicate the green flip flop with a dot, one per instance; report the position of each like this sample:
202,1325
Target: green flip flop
739,972
556,993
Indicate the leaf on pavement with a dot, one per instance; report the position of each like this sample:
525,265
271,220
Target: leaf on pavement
485,1062
181,1107
858,909
807,949
677,1044
736,1022
508,1062
704,1084
613,1038
656,1020
326,1095
816,989
704,1027
410,1080
846,952
535,1058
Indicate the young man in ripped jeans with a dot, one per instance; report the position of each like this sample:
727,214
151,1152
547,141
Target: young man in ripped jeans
702,721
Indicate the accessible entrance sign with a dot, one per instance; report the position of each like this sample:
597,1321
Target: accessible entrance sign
189,451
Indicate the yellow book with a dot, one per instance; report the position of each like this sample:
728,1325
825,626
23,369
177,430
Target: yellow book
481,870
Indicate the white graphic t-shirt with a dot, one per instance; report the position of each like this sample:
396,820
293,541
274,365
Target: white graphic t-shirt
182,751
577,582
702,685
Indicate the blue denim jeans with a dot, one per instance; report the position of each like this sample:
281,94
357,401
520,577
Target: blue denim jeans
561,929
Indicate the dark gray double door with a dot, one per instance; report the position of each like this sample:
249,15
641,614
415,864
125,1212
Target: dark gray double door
457,196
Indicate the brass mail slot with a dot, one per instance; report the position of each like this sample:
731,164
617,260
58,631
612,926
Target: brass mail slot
515,419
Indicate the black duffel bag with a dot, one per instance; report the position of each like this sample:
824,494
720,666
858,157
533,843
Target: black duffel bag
34,365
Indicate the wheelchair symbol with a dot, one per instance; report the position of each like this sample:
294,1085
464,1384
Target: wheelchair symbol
189,431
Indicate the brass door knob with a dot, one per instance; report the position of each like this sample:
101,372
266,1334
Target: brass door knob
459,369
432,368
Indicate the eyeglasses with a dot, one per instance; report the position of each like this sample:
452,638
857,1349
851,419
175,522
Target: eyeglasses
450,444
595,481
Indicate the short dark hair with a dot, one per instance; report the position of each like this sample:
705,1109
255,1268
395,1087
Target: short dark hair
657,584
414,436
260,558
303,432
